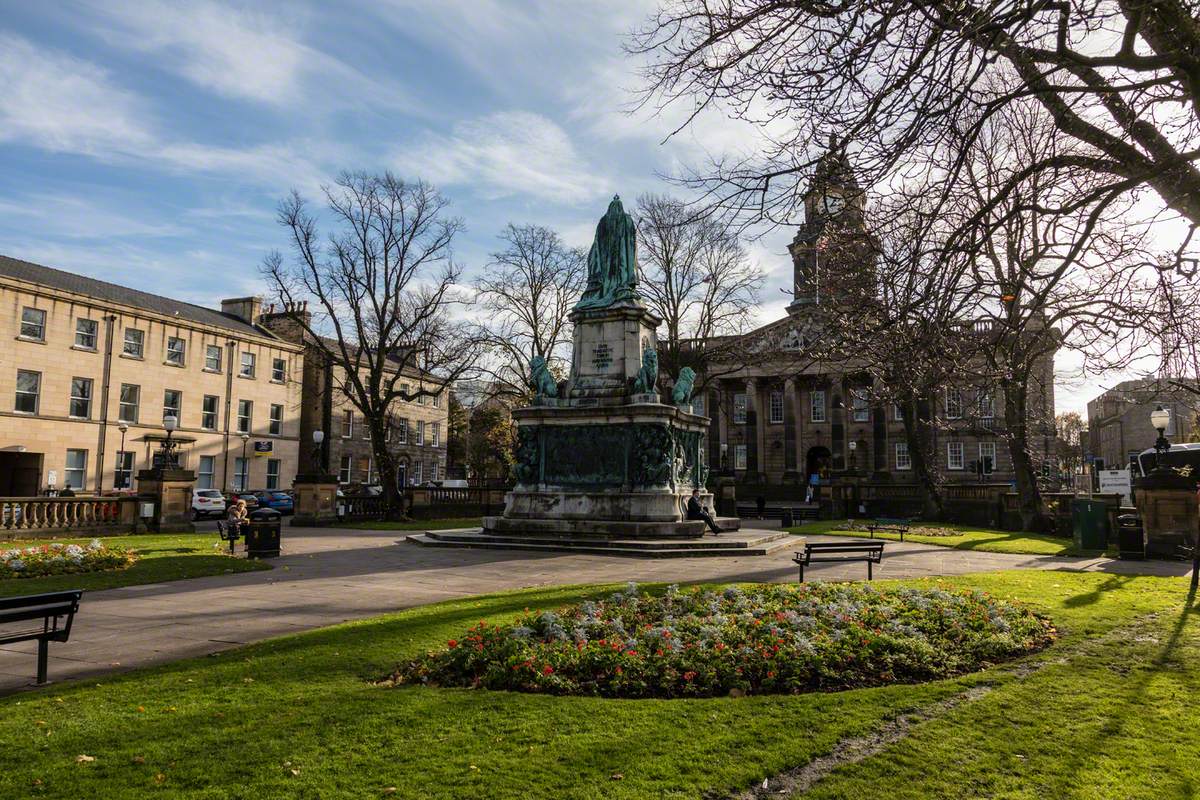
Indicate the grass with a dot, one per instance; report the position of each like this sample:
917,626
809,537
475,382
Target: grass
970,538
1101,714
163,557
415,525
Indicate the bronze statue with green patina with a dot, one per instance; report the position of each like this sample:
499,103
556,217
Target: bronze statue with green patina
612,261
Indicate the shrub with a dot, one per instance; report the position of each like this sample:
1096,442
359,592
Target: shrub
759,640
63,559
913,530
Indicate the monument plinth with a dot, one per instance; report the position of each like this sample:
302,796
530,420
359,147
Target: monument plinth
601,454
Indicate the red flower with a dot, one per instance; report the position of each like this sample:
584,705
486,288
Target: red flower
453,643
687,676
547,670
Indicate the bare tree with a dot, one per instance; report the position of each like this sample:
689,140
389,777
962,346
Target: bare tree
696,276
525,295
383,283
1118,78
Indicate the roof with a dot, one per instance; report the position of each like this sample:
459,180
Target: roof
122,295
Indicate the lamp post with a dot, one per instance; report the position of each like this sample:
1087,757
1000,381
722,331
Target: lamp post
318,437
123,428
1160,418
171,424
245,465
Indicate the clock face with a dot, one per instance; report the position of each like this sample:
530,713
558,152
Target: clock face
831,204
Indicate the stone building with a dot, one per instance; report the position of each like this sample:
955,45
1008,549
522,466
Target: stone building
89,370
416,435
1119,419
779,417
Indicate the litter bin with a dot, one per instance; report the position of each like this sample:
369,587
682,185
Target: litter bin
785,519
1089,522
1130,542
262,533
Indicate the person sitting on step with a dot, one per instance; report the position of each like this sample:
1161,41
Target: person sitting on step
697,511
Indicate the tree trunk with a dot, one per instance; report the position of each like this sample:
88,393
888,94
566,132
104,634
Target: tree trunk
1029,498
916,434
385,466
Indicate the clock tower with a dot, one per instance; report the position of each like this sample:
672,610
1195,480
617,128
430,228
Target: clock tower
833,216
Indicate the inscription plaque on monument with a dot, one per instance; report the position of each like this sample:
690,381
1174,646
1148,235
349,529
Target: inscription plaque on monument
601,356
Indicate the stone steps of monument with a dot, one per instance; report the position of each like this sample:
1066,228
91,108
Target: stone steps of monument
604,530
747,543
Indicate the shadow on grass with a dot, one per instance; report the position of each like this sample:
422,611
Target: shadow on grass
1110,584
147,570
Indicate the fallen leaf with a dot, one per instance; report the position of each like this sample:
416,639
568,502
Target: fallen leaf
141,709
389,790
138,759
82,759
159,778
295,772
616,776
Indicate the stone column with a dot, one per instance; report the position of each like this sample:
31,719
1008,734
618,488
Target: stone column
724,464
169,490
753,423
791,400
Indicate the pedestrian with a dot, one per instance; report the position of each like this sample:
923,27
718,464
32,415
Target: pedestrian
697,511
761,502
814,480
237,516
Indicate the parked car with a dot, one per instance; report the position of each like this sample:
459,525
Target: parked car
277,499
455,483
206,503
250,497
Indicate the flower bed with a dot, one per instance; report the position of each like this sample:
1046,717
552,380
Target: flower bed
63,559
763,640
913,530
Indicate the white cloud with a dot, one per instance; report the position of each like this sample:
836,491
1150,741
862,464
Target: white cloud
503,154
79,217
63,104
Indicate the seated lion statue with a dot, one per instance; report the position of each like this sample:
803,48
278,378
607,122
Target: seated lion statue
543,382
646,381
682,393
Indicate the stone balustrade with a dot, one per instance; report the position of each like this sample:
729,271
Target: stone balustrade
40,516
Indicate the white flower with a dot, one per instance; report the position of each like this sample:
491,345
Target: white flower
95,544
16,565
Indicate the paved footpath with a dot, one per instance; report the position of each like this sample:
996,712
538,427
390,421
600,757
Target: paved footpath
329,576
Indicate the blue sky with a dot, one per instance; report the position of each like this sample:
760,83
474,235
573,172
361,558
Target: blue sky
148,142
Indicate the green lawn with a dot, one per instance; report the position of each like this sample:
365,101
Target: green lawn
415,525
971,538
165,557
1103,713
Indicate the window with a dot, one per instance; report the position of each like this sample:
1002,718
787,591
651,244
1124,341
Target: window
987,406
123,473
954,455
276,425
402,431
388,424
437,403
897,412
366,430
245,415
212,358
739,456
173,404
987,457
75,474
241,474
433,470
127,411
404,390
859,410
347,424
272,473
278,370
364,470
417,472
954,407
247,365
420,398
903,460
739,408
33,324
344,470
175,351
776,407
435,434
81,398
135,341
816,405
29,386
208,413
85,333
206,472
420,433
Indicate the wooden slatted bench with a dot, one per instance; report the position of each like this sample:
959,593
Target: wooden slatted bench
870,552
899,526
43,618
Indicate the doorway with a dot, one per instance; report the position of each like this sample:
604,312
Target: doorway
20,474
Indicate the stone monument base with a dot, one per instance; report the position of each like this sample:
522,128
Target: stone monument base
316,501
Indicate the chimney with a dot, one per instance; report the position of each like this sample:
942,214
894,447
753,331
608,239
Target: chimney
246,309
285,320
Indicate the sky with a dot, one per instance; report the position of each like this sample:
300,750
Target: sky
148,143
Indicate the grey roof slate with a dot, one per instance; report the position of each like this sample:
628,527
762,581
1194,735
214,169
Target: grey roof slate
112,293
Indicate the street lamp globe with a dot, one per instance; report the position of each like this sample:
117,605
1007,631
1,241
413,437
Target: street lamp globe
171,423
1160,418
318,437
123,427
245,437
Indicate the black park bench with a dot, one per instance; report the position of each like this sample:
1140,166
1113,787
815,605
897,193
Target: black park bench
870,552
899,526
43,618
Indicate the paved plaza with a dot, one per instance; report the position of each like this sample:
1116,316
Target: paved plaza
330,576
